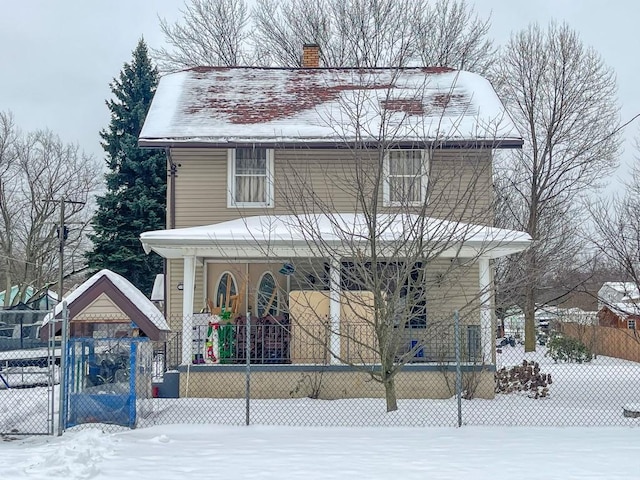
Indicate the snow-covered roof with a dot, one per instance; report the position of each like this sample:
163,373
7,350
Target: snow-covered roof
301,235
629,289
148,309
624,309
247,105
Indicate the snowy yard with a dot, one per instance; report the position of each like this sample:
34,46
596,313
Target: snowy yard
184,438
208,451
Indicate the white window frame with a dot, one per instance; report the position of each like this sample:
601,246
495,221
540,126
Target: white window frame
231,183
424,180
631,324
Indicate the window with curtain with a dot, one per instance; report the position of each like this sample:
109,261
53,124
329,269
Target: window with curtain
405,177
251,177
267,296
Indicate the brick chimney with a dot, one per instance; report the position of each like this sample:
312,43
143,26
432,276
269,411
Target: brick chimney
310,55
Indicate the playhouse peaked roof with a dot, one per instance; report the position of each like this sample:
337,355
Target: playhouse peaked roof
247,105
131,300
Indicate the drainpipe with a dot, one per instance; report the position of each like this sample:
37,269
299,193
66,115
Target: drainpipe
173,169
171,221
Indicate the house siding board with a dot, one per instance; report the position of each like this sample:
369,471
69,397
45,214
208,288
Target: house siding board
101,309
462,186
201,184
328,173
450,288
201,197
175,272
201,187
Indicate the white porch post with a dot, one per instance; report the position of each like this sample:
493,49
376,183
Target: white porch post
486,332
334,307
188,282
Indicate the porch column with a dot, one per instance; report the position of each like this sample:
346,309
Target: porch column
486,331
188,283
334,307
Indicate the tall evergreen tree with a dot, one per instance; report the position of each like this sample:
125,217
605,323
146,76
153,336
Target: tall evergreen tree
136,181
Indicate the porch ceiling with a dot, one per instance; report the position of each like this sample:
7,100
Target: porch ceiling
297,236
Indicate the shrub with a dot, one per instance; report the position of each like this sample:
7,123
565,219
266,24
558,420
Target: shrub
567,349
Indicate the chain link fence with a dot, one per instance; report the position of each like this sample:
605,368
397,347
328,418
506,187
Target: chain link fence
273,371
29,373
291,379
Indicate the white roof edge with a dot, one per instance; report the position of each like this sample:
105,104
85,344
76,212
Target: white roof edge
260,236
126,288
271,140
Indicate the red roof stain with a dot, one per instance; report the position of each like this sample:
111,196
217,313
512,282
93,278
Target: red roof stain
272,102
207,69
269,99
410,107
451,102
437,70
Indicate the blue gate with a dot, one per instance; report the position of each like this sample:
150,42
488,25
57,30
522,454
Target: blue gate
100,384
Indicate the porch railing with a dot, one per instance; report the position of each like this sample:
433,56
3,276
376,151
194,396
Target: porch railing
276,340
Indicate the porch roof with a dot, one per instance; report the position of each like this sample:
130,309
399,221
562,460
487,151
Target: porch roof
296,236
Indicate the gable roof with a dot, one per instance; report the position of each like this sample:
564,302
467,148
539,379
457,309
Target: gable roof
224,106
125,295
629,289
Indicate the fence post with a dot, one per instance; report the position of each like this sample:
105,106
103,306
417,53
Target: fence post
247,386
456,322
51,352
63,367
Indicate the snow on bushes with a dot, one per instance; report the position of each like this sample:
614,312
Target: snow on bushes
567,349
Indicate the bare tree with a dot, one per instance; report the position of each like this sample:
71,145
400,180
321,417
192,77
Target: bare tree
450,34
37,170
563,98
392,242
616,225
357,33
212,32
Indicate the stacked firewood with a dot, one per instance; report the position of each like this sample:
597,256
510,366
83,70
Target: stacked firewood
526,377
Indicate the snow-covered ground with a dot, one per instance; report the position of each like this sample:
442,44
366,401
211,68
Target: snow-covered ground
185,438
209,451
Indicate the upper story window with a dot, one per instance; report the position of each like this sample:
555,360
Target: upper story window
250,177
405,177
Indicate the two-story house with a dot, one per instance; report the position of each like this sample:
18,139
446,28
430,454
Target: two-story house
282,182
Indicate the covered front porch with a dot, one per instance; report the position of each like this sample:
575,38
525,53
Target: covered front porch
292,269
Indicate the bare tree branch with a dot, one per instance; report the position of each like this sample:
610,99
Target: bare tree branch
563,98
36,169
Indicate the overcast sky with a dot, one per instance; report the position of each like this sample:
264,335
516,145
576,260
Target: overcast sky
57,58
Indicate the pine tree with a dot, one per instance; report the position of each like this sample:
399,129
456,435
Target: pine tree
136,181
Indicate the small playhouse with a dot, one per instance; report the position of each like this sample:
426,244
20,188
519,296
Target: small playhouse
113,328
108,305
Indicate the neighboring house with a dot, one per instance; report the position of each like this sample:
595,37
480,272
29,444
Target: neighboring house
35,299
619,315
612,293
107,305
619,305
244,143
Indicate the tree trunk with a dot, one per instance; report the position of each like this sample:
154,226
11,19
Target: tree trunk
530,320
390,394
7,291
